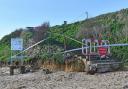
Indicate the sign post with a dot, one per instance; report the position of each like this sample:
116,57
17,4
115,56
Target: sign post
16,45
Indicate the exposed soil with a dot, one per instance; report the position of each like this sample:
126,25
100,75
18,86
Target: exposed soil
63,80
69,66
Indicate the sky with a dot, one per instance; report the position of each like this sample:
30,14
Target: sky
16,14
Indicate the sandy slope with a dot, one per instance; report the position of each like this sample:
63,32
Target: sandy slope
63,80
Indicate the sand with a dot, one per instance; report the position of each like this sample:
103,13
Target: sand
63,80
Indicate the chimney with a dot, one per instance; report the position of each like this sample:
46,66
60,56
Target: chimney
65,22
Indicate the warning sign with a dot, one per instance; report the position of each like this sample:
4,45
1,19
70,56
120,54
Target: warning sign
16,44
102,51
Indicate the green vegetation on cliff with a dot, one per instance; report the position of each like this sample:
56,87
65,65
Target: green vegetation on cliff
112,26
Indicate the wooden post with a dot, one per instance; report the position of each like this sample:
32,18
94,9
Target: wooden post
11,70
65,23
22,69
65,47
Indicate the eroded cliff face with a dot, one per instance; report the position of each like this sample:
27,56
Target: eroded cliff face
67,66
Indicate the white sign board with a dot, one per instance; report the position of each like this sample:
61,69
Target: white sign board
16,44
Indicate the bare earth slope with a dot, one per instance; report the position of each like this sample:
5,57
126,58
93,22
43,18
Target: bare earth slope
63,80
